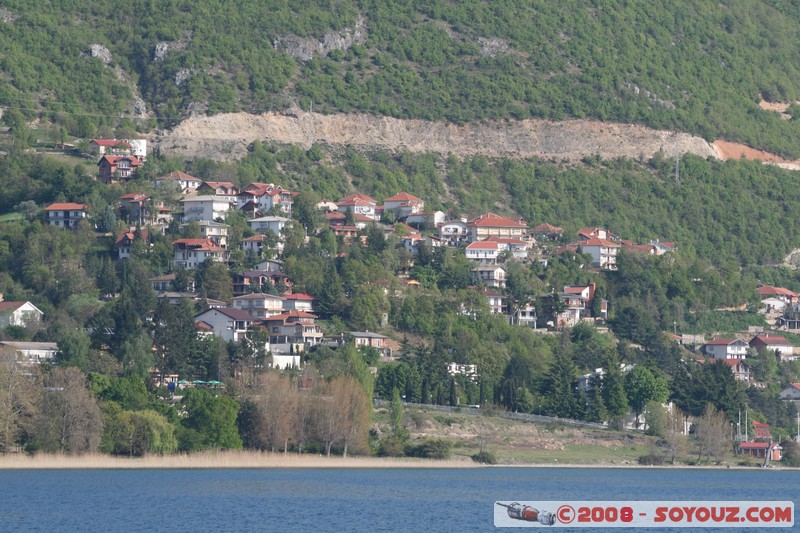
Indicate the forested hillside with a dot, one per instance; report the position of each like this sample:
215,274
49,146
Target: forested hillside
699,67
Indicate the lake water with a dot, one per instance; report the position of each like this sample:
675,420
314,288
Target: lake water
298,500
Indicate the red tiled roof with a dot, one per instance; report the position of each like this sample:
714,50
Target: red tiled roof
402,197
130,235
113,159
482,245
761,431
67,206
771,340
504,240
289,314
299,296
134,196
722,342
734,362
199,244
594,241
765,290
491,220
356,199
547,228
754,445
10,306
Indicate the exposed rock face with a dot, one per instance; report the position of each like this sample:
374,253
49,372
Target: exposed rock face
182,75
101,52
163,48
7,16
226,136
305,49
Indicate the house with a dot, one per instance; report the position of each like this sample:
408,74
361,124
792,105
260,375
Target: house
216,232
135,208
253,245
226,322
761,446
484,252
20,313
778,293
259,305
270,265
740,368
117,168
264,197
774,343
426,219
489,276
258,280
225,189
166,283
293,328
455,369
525,315
517,247
367,339
497,301
31,353
412,242
272,223
181,181
490,224
663,247
124,243
208,208
603,252
791,393
298,302
403,205
326,205
65,215
100,147
454,232
357,204
577,301
546,231
588,234
726,349
189,253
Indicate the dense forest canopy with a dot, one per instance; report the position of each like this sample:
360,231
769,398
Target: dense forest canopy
699,67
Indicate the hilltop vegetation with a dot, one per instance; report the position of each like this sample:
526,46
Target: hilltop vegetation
699,67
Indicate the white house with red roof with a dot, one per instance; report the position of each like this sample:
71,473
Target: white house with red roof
577,304
225,189
761,446
117,168
206,207
484,252
498,302
776,299
517,247
298,302
253,245
259,305
19,313
65,214
791,393
726,349
490,224
124,243
358,204
603,252
190,253
181,181
227,323
265,196
741,369
403,205
214,231
426,219
774,343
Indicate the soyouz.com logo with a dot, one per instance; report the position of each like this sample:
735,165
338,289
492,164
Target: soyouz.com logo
755,514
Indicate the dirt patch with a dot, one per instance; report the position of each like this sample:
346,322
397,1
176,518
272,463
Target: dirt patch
731,150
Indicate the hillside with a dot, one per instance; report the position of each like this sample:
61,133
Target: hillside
695,67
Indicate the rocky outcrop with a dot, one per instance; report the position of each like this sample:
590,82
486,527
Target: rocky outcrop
100,52
306,49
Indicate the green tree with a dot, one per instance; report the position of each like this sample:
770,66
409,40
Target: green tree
209,422
641,387
613,390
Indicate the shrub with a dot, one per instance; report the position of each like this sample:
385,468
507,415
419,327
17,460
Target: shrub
430,449
484,457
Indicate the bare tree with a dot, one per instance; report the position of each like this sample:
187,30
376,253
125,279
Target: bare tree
674,437
713,434
328,415
355,412
18,399
70,420
277,401
302,421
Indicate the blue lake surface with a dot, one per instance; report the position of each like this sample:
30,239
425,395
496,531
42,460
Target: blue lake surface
391,500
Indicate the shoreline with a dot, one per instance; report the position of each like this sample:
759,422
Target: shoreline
269,460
